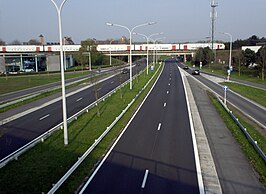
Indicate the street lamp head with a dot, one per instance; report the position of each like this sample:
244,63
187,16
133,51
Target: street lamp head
109,24
151,23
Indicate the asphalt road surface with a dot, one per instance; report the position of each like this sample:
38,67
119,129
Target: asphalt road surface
19,132
38,89
155,154
247,107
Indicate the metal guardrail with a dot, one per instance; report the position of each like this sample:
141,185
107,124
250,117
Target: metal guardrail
244,130
41,138
97,141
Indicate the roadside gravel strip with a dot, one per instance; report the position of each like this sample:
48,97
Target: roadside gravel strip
11,118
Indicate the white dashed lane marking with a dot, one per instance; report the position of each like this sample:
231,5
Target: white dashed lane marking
44,117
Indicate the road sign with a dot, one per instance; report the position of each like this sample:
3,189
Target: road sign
225,88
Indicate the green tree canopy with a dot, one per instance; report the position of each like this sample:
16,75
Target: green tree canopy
249,56
203,55
261,60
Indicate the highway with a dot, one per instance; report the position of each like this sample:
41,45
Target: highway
22,130
245,106
155,154
39,89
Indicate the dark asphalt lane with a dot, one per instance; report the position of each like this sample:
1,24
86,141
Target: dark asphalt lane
261,86
246,106
158,140
19,132
38,89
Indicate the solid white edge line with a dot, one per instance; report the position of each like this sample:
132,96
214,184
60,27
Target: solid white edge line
112,147
196,153
145,179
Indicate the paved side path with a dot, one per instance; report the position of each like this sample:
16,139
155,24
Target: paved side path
209,174
234,172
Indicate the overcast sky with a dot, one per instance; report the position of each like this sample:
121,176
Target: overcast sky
180,20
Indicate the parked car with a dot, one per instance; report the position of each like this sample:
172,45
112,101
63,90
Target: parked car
195,72
29,70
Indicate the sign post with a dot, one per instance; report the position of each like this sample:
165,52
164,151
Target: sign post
228,74
225,89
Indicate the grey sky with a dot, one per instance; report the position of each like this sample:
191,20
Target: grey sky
187,20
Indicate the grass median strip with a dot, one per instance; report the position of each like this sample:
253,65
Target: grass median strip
255,94
44,165
16,83
254,158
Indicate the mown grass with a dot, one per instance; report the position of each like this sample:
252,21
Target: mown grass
255,94
254,158
46,163
15,83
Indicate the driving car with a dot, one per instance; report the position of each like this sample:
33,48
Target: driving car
195,72
125,71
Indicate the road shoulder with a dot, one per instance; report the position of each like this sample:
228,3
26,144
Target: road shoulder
233,169
209,175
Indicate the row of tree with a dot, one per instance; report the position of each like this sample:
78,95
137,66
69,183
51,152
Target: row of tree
247,58
251,41
88,48
17,42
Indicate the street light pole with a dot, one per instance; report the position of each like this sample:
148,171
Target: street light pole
110,52
154,53
148,38
130,45
230,52
59,9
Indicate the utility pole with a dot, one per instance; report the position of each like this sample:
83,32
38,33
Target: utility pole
213,18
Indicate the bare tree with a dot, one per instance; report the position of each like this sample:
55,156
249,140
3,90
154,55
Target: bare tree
96,88
34,42
2,43
240,59
15,42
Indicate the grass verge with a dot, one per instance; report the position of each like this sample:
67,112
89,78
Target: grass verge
15,83
255,94
45,94
45,164
254,158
